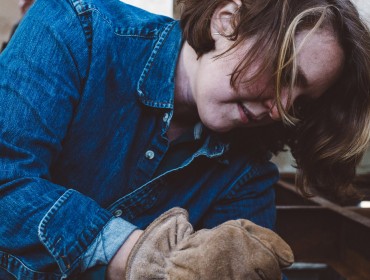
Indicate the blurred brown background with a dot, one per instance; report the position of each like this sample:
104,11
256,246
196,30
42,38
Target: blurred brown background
9,15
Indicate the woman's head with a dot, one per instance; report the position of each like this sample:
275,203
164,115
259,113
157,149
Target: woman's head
270,37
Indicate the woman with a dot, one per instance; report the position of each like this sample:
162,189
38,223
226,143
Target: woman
111,116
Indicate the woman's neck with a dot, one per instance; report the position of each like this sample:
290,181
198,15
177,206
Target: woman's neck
185,109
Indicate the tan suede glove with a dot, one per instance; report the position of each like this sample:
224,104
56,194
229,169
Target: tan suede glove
237,249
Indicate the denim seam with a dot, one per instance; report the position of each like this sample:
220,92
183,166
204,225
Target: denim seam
134,35
148,66
125,198
42,226
92,9
25,267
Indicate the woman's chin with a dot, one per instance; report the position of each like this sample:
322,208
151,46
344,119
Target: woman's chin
218,127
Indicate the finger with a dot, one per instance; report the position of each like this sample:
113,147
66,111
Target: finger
271,240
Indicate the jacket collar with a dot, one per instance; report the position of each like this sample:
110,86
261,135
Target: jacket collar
156,85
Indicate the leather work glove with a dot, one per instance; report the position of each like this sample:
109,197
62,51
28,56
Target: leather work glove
238,249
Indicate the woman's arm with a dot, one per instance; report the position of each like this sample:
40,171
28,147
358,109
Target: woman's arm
46,228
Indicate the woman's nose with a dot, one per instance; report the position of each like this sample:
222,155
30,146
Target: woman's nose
274,112
273,106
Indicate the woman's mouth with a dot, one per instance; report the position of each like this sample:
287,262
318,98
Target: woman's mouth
245,115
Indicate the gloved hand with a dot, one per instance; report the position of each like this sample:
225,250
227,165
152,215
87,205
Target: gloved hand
238,249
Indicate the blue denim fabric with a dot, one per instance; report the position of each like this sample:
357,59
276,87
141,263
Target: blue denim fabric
106,244
86,97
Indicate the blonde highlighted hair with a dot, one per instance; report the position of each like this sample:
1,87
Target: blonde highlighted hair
328,136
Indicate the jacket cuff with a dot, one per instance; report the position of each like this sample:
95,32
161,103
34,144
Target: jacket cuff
70,226
106,245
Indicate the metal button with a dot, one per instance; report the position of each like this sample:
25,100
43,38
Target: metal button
149,154
165,117
118,213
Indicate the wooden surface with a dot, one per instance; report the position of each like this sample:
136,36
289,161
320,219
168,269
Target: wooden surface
320,231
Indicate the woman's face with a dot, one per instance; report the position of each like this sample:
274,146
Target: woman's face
222,108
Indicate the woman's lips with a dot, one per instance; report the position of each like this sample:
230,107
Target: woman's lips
247,117
244,114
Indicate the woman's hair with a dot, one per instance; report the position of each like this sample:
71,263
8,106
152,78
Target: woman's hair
327,136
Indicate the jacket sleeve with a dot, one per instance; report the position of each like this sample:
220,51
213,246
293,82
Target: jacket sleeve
45,228
251,196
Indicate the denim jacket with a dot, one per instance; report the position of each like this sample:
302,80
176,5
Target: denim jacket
86,98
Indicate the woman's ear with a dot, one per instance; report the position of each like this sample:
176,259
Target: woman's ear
224,17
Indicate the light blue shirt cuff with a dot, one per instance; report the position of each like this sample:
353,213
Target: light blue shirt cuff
107,243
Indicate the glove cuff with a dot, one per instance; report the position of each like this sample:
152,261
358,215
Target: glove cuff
147,257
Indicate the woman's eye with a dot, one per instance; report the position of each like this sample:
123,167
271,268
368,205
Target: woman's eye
302,105
300,80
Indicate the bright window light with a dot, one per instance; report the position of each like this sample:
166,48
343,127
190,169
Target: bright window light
364,204
161,7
